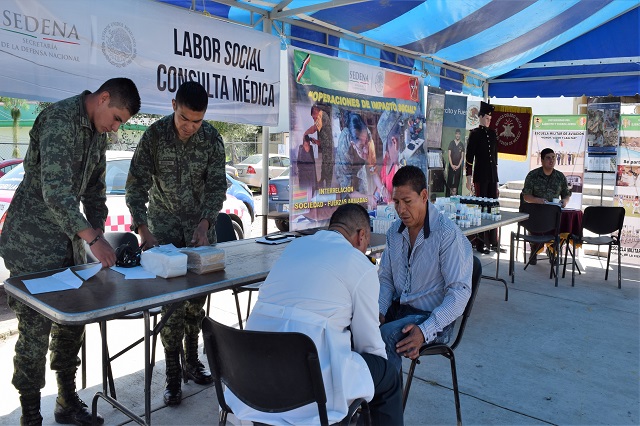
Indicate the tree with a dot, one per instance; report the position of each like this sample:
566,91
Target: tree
233,132
14,105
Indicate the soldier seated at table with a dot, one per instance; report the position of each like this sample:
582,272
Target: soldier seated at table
544,185
425,271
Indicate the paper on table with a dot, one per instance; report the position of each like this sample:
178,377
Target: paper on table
85,274
135,273
65,280
263,240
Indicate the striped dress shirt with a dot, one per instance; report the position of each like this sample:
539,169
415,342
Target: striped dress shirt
434,276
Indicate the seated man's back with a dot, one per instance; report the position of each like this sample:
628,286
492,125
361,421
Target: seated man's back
325,287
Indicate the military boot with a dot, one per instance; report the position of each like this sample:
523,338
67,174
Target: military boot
70,409
194,369
173,389
30,410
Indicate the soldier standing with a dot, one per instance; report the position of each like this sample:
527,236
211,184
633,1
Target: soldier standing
46,230
178,168
482,158
322,126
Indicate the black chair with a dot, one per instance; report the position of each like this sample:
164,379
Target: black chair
285,366
116,239
603,221
445,349
542,227
225,232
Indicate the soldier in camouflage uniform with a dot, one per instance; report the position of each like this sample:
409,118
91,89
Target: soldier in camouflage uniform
178,167
45,230
542,185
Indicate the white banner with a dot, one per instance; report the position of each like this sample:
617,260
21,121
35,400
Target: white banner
53,49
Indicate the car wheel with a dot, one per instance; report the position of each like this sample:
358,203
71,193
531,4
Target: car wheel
282,225
237,228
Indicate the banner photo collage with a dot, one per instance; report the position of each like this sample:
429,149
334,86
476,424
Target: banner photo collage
627,190
352,126
566,135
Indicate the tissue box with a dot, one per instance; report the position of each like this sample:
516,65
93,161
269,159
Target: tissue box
204,259
164,261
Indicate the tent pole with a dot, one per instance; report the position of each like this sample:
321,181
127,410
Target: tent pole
265,178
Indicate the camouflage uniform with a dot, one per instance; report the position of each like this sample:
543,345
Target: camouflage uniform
325,138
548,187
183,182
65,164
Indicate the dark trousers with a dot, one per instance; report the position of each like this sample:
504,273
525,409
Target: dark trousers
386,405
489,190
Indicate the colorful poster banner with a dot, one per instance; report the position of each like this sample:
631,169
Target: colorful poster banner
454,137
53,49
603,123
627,190
352,127
565,135
512,125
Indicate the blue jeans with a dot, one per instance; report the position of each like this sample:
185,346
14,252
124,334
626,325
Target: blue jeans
398,316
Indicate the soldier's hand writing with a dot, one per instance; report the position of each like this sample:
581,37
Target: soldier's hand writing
410,345
148,240
200,237
102,251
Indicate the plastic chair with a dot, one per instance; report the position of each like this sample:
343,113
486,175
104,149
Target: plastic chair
445,349
225,232
116,239
542,227
285,365
599,220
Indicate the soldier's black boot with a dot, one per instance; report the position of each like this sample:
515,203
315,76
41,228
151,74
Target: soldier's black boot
173,389
30,410
194,369
70,409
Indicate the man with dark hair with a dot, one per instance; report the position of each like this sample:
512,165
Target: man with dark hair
544,184
482,159
322,126
337,308
456,160
425,272
178,168
45,229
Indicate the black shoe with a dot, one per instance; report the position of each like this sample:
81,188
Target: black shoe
173,393
198,373
483,250
500,249
73,411
533,260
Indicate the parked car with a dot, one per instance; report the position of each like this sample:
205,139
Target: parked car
231,171
241,191
250,169
119,218
279,200
8,164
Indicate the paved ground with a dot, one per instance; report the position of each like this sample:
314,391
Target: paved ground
565,355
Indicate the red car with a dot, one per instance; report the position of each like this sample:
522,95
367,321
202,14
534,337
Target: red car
6,165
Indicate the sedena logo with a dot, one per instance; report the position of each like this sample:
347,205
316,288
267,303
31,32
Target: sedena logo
118,44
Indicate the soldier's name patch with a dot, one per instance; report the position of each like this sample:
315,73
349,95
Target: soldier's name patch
166,162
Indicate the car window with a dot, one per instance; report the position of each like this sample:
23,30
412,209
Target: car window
116,177
11,180
253,159
274,161
286,162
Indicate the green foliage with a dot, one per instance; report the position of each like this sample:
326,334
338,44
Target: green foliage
235,132
14,105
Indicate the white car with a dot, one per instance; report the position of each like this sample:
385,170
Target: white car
119,218
250,169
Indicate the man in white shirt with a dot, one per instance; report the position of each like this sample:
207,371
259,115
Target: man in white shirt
325,287
425,271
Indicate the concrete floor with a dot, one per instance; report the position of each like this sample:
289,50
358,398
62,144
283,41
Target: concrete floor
565,355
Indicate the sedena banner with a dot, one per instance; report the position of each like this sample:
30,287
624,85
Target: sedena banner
54,49
627,189
352,127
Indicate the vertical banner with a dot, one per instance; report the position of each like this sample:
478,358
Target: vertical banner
565,135
454,135
627,190
352,127
512,125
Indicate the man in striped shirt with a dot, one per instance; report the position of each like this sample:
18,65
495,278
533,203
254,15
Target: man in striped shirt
425,272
